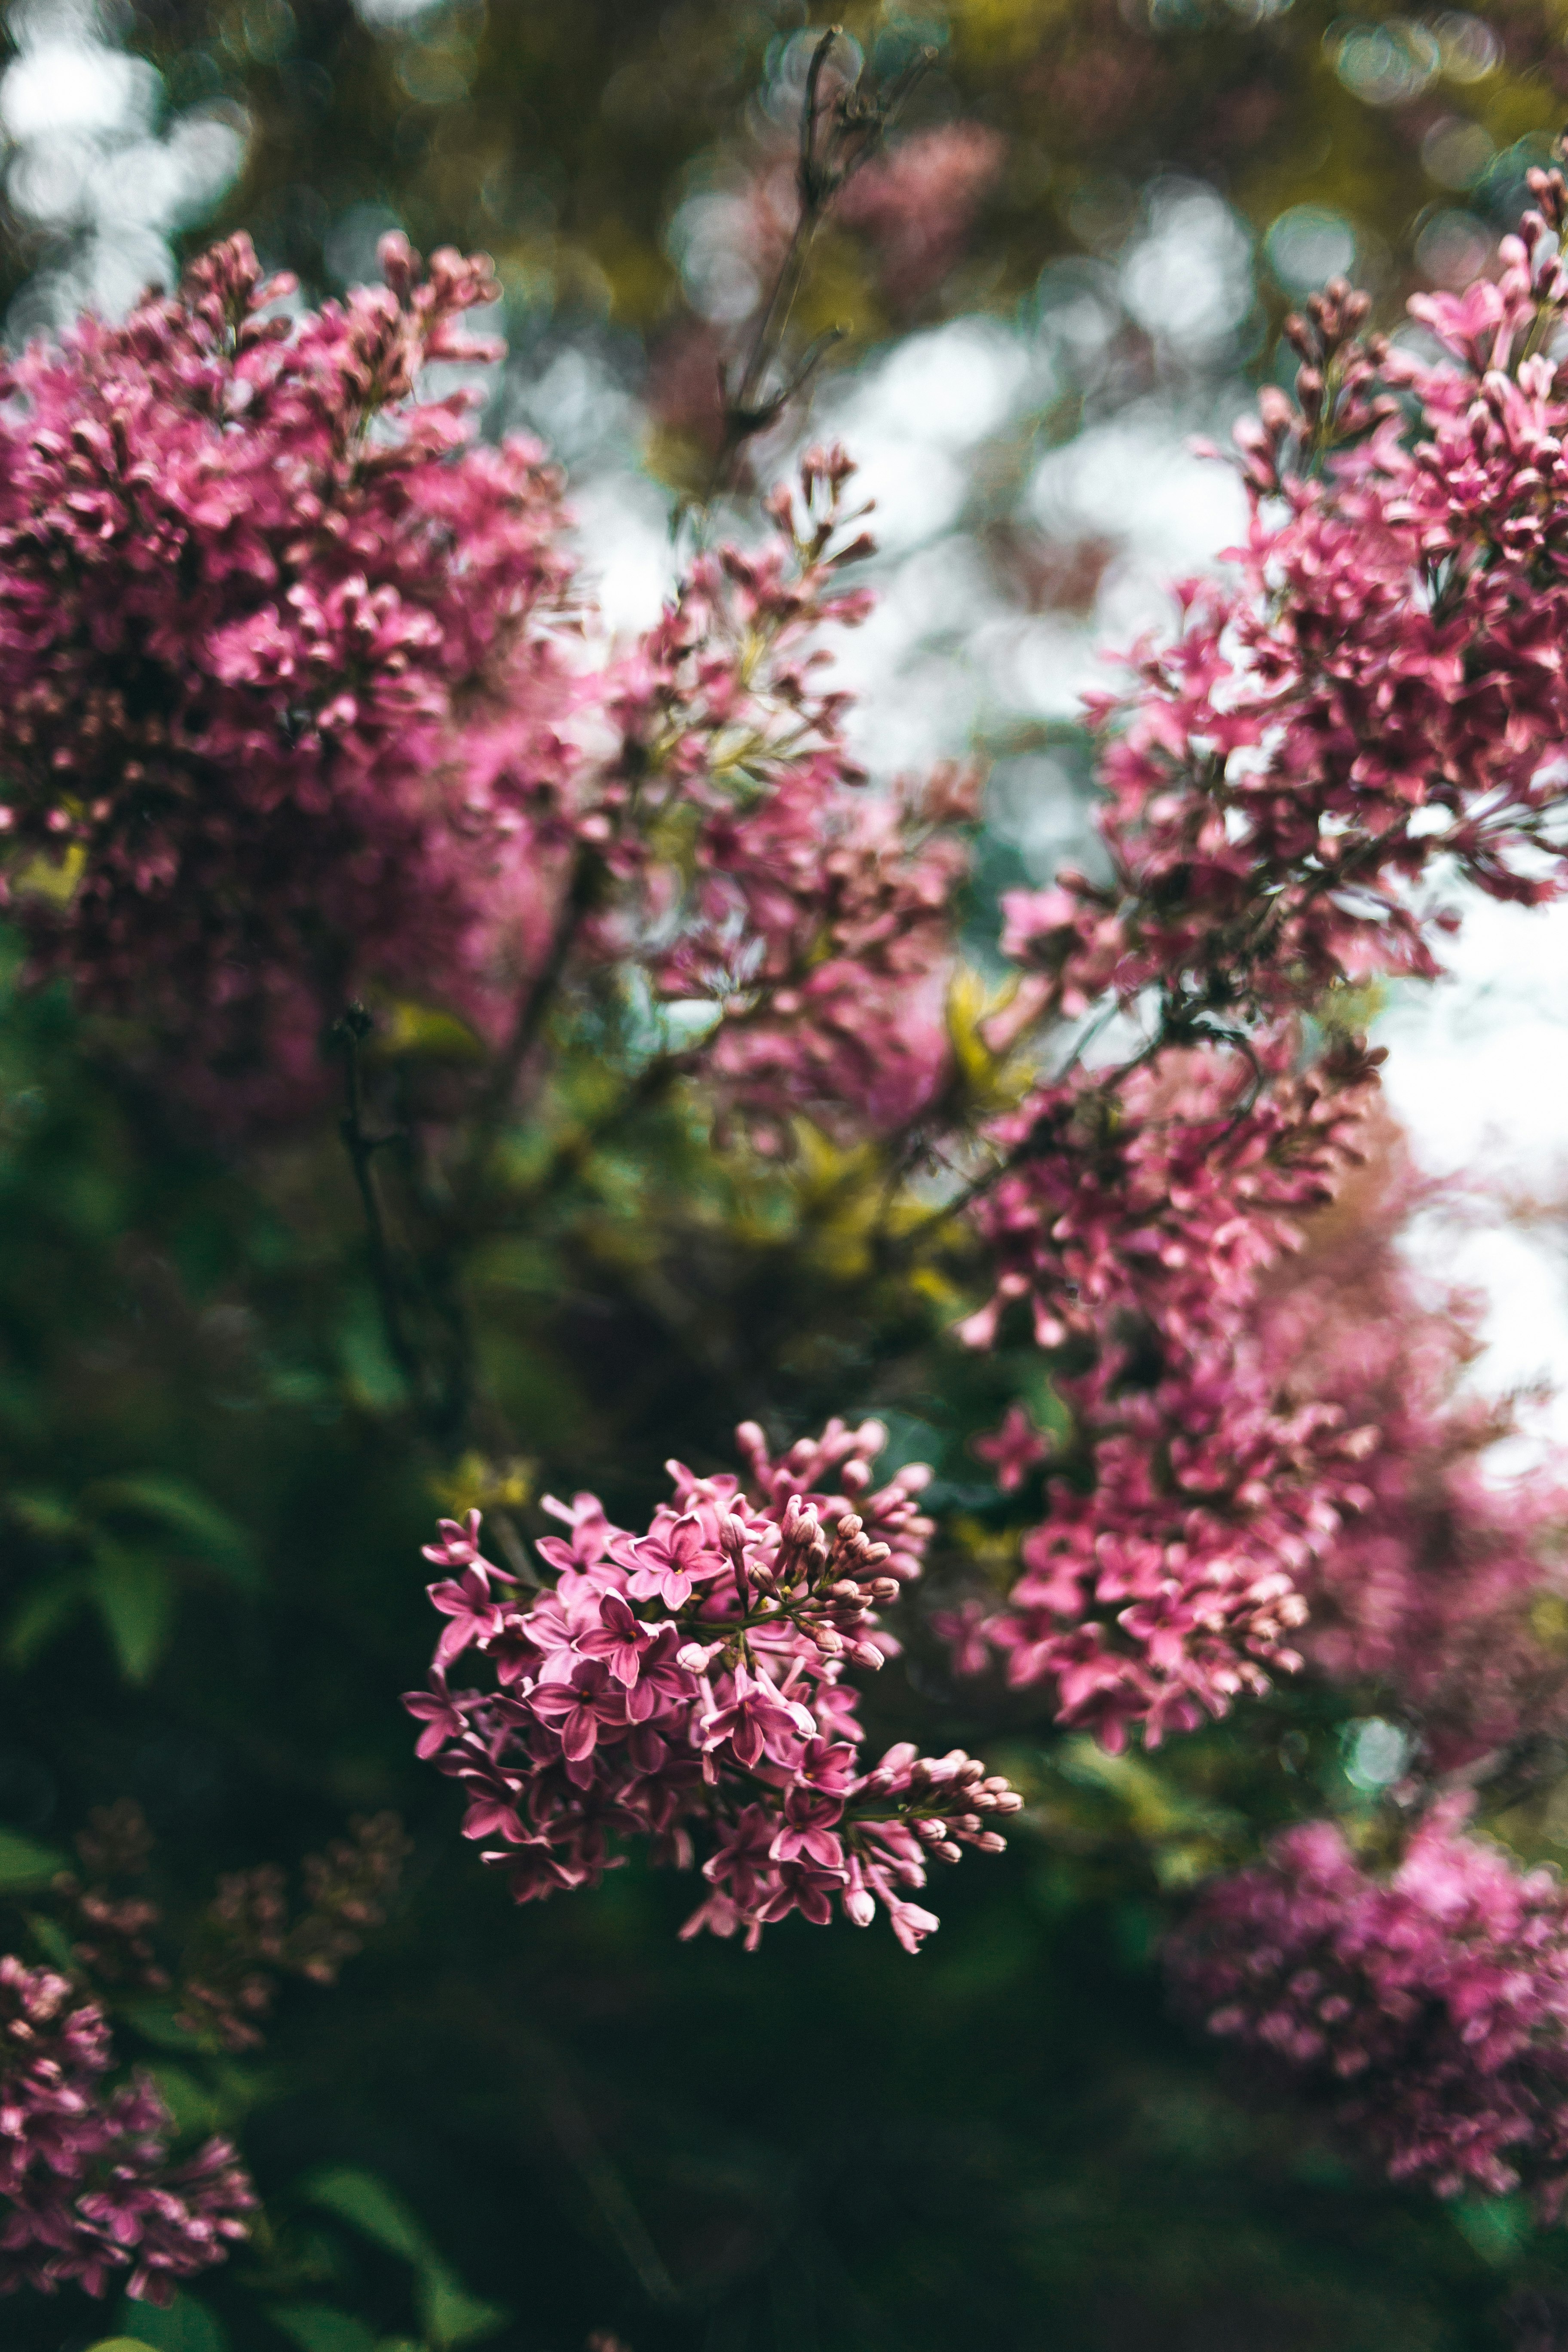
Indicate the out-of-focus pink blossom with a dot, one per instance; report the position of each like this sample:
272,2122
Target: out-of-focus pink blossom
916,205
686,1686
818,922
1430,1587
1378,699
1014,1449
87,2194
278,697
1429,2007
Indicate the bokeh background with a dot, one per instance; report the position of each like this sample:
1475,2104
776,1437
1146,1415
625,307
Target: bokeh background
517,2128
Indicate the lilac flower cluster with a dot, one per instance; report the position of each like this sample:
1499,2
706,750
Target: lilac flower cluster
91,2197
1429,2006
1166,1581
686,1686
278,692
816,923
1378,700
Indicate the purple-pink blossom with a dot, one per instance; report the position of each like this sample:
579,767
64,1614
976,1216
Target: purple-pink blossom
90,2195
1427,2004
281,694
1138,1224
686,1686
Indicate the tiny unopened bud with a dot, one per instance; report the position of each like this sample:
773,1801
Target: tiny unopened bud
859,1905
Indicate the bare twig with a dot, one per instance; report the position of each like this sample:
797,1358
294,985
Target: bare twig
827,160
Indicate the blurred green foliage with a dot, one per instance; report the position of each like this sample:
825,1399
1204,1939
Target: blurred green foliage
562,139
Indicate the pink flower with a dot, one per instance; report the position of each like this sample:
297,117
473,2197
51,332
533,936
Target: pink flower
756,1716
441,1715
618,1638
726,1725
258,664
667,1562
468,1601
1015,1448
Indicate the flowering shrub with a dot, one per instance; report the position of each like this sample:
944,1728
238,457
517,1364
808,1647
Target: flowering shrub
304,737
689,1681
93,2198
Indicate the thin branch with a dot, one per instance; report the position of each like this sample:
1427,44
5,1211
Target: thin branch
823,169
348,1035
534,1004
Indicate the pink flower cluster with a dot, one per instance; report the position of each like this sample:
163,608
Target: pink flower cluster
277,688
686,1686
1430,2007
1136,1223
817,923
1378,697
289,719
91,2198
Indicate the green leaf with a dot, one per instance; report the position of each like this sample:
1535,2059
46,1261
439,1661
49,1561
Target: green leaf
122,2343
451,2315
212,1536
186,2325
24,1862
1499,2228
135,1598
154,2020
52,1940
369,2206
43,1513
370,1376
316,2327
190,2102
42,1613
